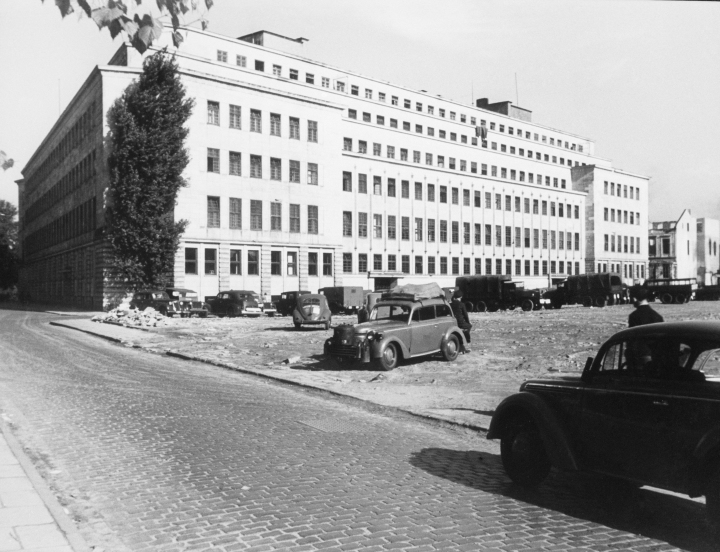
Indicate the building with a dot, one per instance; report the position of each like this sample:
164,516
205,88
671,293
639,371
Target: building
672,248
303,176
708,257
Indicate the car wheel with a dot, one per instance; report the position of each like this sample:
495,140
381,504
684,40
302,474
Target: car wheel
557,304
680,298
523,453
469,306
451,348
666,298
600,301
587,301
389,358
481,306
527,305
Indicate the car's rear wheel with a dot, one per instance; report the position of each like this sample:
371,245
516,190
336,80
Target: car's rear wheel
389,358
666,298
481,306
527,305
680,298
469,306
451,349
587,301
523,453
600,301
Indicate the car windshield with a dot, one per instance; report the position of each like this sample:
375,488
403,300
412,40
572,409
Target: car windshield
311,301
400,313
157,295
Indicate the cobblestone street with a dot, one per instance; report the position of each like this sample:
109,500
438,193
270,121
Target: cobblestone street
148,452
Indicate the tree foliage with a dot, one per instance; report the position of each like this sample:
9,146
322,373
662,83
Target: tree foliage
146,161
9,260
141,24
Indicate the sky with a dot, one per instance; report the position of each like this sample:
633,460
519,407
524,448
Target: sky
640,78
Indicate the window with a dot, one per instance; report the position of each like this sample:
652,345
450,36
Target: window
241,61
428,159
352,114
275,263
213,113
466,232
419,265
255,216
235,213
405,263
577,241
403,154
418,191
312,174
213,212
293,74
405,189
213,160
544,207
405,228
347,262
312,131
313,219
259,65
277,70
466,198
456,265
391,152
294,218
443,194
275,169
362,262
235,118
294,128
312,264
235,261
441,161
362,183
275,216
191,260
391,187
377,149
377,262
391,227
362,146
443,231
347,181
418,229
347,144
455,232
368,94
210,261
394,100
380,120
255,121
255,166
253,260
430,192
536,238
309,78
294,171
431,230
362,225
327,264
416,157
274,124
377,226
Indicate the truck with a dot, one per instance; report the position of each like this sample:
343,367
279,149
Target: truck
708,293
491,293
668,290
589,290
343,298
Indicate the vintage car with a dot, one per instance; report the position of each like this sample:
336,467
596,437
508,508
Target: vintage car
399,327
158,299
186,303
267,307
287,302
311,309
234,303
645,410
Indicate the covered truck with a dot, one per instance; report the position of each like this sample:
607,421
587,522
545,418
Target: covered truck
598,290
668,290
491,293
343,298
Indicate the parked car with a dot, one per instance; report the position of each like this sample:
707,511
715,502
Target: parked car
646,410
234,303
401,326
267,307
158,299
312,309
187,303
286,305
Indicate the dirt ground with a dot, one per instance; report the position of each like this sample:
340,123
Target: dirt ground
507,348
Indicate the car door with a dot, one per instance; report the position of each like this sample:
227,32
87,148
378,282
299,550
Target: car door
423,330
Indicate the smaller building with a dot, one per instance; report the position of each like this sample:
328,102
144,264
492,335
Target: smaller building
672,249
708,257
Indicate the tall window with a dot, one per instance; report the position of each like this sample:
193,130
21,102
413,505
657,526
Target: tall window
431,192
405,189
255,216
391,187
213,212
347,181
391,227
255,166
312,264
213,113
327,264
294,128
211,261
431,230
253,262
377,262
275,216
347,263
418,191
235,118
291,263
313,174
235,163
418,229
347,223
275,169
377,185
235,212
313,223
312,131
294,171
443,231
405,263
276,263
294,218
362,225
235,261
362,262
274,124
466,232
418,264
455,232
377,226
362,183
255,121
213,160
405,228
443,194
191,260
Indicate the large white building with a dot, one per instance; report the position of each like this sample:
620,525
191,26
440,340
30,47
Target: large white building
303,176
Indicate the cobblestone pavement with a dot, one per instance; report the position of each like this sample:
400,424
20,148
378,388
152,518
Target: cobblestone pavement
151,453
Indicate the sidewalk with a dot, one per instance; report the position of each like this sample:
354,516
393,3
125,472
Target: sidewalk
30,517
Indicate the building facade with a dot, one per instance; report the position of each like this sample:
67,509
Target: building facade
673,248
304,176
708,257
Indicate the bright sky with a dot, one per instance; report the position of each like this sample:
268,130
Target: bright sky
640,78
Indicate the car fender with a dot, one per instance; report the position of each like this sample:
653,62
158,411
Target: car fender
705,461
457,332
377,346
552,430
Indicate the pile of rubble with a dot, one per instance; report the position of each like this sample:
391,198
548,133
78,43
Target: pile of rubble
126,316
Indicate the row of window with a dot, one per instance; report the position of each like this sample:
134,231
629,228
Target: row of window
250,263
621,190
256,122
70,225
624,217
452,265
625,244
256,167
639,270
277,220
520,237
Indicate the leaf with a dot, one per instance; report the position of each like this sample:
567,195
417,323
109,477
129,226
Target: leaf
150,29
65,7
177,39
103,17
209,3
128,25
204,23
89,5
184,6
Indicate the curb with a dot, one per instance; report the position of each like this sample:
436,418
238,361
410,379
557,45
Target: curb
363,403
62,519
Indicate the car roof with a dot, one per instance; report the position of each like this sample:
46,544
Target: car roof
180,289
695,329
243,291
419,302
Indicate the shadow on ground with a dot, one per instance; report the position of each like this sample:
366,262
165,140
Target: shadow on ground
678,521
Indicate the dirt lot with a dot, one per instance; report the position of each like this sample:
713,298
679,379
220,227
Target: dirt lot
507,348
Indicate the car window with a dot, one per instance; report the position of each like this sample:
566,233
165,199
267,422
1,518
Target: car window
611,360
310,301
426,313
390,312
442,311
708,362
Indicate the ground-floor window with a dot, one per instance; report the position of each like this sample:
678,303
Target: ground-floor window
327,264
191,260
211,261
235,261
253,260
275,262
312,264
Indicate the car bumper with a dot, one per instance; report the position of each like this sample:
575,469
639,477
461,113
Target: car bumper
252,311
359,352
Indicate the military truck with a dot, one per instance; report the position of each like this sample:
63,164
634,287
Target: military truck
707,293
668,290
343,298
589,290
491,293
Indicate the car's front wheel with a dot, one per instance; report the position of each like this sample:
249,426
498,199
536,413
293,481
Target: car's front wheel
523,453
389,358
451,349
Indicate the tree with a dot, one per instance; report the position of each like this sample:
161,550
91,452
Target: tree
9,260
146,161
138,22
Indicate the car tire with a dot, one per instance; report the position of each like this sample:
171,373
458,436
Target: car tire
527,305
297,325
600,301
481,306
523,453
666,298
587,301
680,298
389,357
557,304
451,348
469,306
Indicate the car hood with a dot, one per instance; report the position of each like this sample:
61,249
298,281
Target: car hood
378,325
